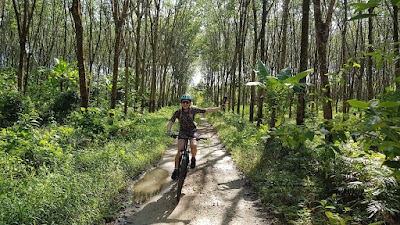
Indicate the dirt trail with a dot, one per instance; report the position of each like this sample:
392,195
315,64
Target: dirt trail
214,192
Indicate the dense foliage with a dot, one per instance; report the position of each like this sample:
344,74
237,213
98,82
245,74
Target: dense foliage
304,179
75,173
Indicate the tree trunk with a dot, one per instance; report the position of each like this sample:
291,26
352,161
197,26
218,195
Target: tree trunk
154,44
370,89
143,67
139,14
119,19
262,54
77,14
23,25
242,39
396,40
301,108
344,60
127,78
285,16
322,31
253,74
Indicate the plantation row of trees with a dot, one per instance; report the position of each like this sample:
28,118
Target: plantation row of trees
350,58
153,45
142,49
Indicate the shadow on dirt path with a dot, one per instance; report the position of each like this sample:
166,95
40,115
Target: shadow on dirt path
214,192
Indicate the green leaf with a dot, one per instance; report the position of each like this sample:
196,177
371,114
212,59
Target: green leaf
284,74
358,104
388,104
263,71
336,149
341,135
395,2
310,135
392,164
362,16
390,152
363,6
392,135
396,80
324,131
298,77
396,174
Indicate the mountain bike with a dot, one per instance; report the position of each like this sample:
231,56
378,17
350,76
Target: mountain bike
183,166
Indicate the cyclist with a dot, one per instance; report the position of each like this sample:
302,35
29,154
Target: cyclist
187,127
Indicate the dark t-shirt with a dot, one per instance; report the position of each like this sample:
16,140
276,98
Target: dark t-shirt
186,120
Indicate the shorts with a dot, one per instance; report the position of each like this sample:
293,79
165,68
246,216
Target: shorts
188,133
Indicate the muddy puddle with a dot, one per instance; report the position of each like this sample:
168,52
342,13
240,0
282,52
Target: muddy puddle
149,185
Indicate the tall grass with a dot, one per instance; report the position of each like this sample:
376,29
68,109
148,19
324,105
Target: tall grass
76,173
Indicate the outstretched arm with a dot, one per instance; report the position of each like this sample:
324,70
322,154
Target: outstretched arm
214,109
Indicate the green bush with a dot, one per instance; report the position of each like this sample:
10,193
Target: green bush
12,105
63,104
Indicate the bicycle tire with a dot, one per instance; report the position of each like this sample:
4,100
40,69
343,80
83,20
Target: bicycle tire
182,174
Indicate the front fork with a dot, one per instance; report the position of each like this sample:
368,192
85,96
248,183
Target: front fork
184,153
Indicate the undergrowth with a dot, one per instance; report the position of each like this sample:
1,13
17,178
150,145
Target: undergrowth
75,173
303,183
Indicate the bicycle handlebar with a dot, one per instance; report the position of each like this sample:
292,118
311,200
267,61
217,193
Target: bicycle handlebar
187,137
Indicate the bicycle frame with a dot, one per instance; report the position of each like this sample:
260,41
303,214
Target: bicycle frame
183,164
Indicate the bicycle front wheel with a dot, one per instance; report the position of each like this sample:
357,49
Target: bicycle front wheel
182,174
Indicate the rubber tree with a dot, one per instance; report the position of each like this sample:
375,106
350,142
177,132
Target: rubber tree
24,15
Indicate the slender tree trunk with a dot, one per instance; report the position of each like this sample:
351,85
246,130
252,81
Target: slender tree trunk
242,38
301,108
119,19
127,77
253,74
344,59
262,54
370,89
322,31
143,67
396,40
362,66
77,14
23,23
232,72
283,43
139,14
154,45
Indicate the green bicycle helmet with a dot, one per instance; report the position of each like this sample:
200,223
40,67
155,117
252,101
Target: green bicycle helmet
186,97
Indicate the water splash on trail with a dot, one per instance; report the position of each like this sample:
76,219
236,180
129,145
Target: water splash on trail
149,185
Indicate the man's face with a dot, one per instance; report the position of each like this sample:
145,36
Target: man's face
185,104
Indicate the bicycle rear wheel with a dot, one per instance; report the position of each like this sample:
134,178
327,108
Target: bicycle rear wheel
182,174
